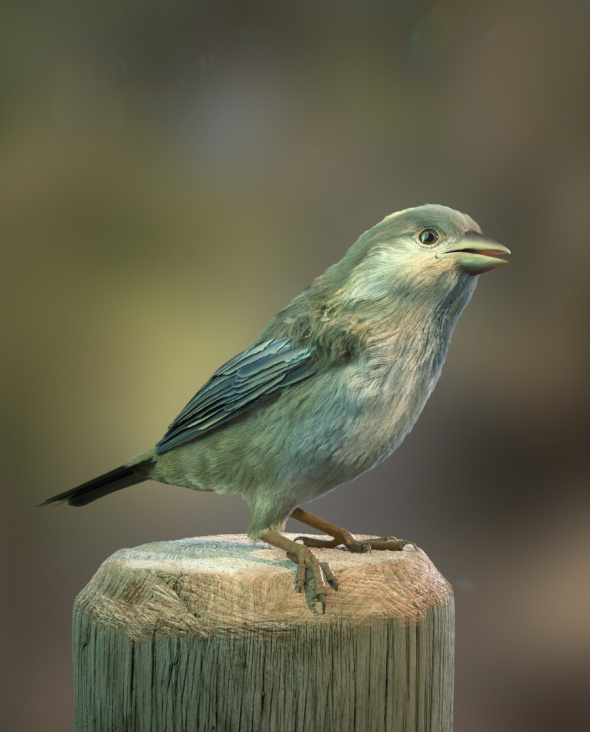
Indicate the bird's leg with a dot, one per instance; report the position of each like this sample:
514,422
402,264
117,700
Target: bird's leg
305,559
342,536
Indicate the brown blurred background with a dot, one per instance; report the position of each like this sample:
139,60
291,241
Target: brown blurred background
173,173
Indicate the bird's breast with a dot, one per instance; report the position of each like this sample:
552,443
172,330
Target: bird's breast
386,393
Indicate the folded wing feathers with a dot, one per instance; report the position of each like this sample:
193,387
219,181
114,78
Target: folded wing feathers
218,383
246,380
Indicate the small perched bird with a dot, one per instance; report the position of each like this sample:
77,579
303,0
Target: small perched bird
330,388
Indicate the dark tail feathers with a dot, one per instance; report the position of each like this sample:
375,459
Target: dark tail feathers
117,479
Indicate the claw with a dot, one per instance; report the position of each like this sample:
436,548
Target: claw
329,575
409,543
321,597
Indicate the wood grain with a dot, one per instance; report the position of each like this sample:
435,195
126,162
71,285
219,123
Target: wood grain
208,634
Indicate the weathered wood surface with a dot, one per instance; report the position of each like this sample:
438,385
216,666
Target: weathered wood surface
208,634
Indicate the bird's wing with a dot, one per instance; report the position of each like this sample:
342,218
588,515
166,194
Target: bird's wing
250,378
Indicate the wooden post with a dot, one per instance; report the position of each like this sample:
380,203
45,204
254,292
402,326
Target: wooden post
208,634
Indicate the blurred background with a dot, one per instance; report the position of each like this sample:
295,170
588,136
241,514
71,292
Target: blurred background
173,173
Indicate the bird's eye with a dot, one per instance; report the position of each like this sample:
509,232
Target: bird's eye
428,236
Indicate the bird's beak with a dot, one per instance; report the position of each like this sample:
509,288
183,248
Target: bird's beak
475,253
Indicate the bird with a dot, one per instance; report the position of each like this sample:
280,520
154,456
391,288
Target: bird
328,389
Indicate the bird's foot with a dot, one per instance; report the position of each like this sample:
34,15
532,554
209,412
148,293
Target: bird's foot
348,540
322,577
343,537
385,543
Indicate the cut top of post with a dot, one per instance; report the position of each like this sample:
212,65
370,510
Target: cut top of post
212,584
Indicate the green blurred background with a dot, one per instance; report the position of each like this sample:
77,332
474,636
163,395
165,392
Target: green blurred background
173,173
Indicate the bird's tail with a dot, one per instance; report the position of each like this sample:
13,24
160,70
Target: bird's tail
110,482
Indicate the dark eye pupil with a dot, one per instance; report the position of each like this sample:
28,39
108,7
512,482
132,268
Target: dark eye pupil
428,236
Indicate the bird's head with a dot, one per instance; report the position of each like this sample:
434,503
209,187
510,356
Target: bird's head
429,250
